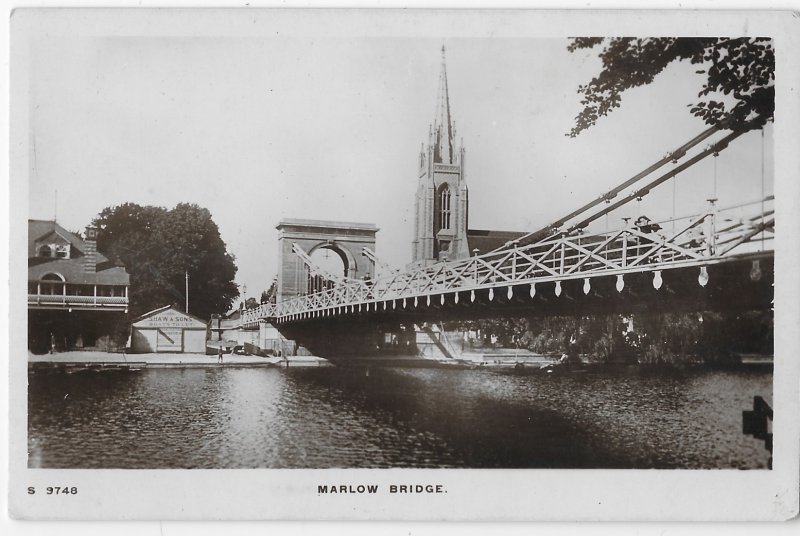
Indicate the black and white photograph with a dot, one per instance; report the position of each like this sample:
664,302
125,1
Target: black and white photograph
366,258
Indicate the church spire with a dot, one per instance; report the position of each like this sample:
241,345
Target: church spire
442,125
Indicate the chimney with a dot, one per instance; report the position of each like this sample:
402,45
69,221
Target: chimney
90,251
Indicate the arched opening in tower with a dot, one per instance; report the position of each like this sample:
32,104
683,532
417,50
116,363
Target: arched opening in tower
330,262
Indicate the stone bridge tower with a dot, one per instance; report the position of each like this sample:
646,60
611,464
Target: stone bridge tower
345,239
442,199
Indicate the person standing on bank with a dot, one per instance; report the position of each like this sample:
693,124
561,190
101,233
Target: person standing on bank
219,354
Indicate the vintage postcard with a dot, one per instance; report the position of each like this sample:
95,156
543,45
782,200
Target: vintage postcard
496,265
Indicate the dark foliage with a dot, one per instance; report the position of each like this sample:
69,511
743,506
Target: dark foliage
159,246
658,339
743,69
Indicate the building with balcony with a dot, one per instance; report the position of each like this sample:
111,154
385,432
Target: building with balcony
77,297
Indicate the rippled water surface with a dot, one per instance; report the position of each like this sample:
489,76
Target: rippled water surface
391,417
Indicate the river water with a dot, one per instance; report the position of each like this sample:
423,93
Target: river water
392,417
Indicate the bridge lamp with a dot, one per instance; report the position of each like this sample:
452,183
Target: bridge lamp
620,283
587,286
657,281
510,293
428,301
404,303
703,277
558,288
491,294
455,298
472,295
442,299
755,271
416,302
533,290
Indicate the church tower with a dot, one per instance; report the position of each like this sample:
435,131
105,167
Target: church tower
442,203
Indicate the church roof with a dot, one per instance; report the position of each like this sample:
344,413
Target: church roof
488,240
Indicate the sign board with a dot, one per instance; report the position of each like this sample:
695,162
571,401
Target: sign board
169,318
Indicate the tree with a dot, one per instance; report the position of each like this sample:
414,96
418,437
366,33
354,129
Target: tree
269,295
740,71
160,246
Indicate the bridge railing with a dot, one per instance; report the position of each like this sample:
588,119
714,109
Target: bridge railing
252,316
700,239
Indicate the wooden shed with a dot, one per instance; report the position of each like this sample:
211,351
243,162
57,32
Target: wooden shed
168,330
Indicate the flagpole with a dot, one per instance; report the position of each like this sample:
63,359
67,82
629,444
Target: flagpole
187,292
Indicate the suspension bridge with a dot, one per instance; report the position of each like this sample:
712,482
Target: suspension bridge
718,259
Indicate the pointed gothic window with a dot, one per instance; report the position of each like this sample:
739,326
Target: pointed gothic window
444,219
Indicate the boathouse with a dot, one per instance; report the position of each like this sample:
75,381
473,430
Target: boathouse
77,297
168,330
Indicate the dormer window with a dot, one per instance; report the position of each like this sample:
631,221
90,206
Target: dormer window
59,251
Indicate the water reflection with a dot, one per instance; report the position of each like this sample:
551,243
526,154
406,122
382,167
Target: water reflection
343,417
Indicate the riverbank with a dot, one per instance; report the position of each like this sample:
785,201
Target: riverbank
70,361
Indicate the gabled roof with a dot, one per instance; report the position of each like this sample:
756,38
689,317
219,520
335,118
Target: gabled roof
108,272
164,309
39,229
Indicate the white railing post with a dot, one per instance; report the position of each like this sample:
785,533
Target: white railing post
712,227
514,261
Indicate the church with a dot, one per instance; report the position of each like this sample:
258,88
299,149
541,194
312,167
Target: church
441,208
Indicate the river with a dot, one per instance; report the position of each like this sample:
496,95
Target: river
394,417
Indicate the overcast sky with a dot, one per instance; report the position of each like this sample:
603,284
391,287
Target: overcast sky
261,128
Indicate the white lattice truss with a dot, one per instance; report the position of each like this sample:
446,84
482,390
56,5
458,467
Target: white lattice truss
713,237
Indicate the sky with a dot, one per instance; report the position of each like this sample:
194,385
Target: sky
259,128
